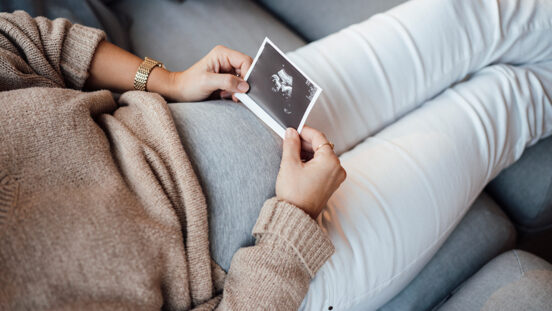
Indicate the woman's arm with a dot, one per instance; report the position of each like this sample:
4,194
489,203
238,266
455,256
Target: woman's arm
290,246
114,68
57,53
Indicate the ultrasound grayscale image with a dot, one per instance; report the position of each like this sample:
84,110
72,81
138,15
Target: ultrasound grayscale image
279,88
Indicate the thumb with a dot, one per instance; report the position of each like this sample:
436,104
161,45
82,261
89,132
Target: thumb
226,82
292,146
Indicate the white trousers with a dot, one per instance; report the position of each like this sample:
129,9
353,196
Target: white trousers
436,141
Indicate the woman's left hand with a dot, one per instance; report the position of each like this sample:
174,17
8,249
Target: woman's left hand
219,73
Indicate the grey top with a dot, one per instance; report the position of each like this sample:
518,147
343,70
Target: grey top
236,158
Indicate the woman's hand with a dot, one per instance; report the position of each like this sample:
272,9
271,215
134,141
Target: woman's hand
308,185
114,68
220,70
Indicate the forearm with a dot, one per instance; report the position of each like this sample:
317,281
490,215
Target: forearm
114,69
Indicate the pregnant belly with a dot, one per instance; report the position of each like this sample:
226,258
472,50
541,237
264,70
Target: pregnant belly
236,158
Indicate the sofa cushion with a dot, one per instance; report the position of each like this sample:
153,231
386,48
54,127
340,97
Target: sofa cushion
515,280
92,13
179,34
484,233
314,19
524,190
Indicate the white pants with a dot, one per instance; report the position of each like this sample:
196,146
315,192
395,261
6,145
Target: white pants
437,144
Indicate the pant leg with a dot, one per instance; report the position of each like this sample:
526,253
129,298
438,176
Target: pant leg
375,72
409,185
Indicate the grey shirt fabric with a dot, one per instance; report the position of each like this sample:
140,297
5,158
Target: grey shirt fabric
236,158
515,280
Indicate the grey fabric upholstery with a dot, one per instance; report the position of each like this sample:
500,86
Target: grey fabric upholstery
236,158
515,280
484,233
179,34
93,13
524,189
316,19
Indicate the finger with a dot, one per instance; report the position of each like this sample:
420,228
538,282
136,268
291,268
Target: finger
313,138
225,94
234,59
343,174
306,155
226,82
292,147
307,146
240,62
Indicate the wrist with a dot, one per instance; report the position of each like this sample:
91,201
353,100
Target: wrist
308,208
159,81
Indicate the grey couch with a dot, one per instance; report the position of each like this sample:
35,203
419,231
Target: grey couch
515,211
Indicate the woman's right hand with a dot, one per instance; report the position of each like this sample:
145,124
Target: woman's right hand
308,185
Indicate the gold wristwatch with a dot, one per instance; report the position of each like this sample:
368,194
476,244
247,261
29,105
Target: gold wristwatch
143,72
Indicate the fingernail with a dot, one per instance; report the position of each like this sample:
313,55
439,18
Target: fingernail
243,86
289,132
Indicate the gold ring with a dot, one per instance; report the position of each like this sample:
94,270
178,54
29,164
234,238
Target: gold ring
324,144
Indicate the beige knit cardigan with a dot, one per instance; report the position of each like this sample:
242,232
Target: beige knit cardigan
100,208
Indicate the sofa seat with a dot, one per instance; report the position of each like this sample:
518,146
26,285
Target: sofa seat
515,280
484,232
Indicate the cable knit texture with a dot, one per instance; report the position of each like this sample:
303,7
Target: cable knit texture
100,208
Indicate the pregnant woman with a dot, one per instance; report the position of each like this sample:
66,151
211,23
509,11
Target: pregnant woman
119,221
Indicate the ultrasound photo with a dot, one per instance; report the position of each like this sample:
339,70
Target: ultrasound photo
280,89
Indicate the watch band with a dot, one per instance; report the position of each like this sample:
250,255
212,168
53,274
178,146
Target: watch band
143,72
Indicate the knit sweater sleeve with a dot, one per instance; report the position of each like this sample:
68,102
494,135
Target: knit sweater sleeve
275,273
44,53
